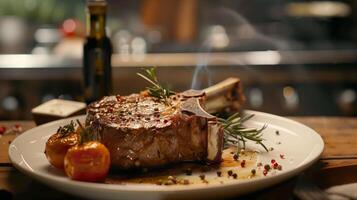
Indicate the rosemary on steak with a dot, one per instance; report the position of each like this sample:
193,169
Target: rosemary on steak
156,90
63,131
235,133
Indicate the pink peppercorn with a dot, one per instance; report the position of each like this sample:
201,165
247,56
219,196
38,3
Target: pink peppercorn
242,164
275,165
265,172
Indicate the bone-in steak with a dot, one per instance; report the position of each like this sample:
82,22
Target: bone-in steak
143,132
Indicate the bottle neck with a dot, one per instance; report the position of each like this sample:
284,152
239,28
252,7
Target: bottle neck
96,25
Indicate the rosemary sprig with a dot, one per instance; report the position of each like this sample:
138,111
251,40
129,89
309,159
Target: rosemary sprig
235,133
156,90
63,131
86,134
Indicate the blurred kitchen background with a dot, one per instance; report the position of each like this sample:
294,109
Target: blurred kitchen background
293,57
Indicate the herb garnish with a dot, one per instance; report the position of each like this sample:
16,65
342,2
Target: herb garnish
86,134
65,130
157,90
235,133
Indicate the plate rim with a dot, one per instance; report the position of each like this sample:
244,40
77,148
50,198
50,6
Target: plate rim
47,178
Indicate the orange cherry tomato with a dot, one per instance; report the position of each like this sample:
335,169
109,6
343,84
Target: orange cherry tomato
87,162
57,146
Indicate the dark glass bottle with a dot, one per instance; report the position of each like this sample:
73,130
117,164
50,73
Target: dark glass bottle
97,53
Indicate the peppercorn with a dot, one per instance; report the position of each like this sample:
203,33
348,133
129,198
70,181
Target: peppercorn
235,156
277,132
253,171
219,173
230,172
242,164
235,176
280,167
267,167
202,177
275,165
265,172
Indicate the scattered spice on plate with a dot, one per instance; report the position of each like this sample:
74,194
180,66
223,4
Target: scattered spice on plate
273,161
253,171
202,177
267,167
282,156
277,132
235,157
242,164
271,149
219,173
230,172
235,176
265,172
280,167
275,165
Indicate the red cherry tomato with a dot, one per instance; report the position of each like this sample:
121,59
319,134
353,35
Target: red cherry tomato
87,162
57,147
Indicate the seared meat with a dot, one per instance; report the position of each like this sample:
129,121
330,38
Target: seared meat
143,132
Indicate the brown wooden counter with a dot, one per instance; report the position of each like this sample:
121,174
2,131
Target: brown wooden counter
338,164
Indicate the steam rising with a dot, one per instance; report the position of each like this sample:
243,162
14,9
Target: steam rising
218,38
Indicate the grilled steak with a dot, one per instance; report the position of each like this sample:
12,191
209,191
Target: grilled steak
143,132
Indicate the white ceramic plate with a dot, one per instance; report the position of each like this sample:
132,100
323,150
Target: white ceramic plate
300,145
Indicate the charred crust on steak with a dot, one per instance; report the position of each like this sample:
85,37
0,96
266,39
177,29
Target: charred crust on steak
131,112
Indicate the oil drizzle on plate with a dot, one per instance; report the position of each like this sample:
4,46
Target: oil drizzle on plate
232,168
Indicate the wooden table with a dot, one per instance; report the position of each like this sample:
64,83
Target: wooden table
338,164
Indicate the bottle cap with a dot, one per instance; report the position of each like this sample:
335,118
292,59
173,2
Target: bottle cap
97,6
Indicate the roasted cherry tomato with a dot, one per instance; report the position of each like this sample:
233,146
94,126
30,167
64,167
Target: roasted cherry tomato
87,162
57,146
